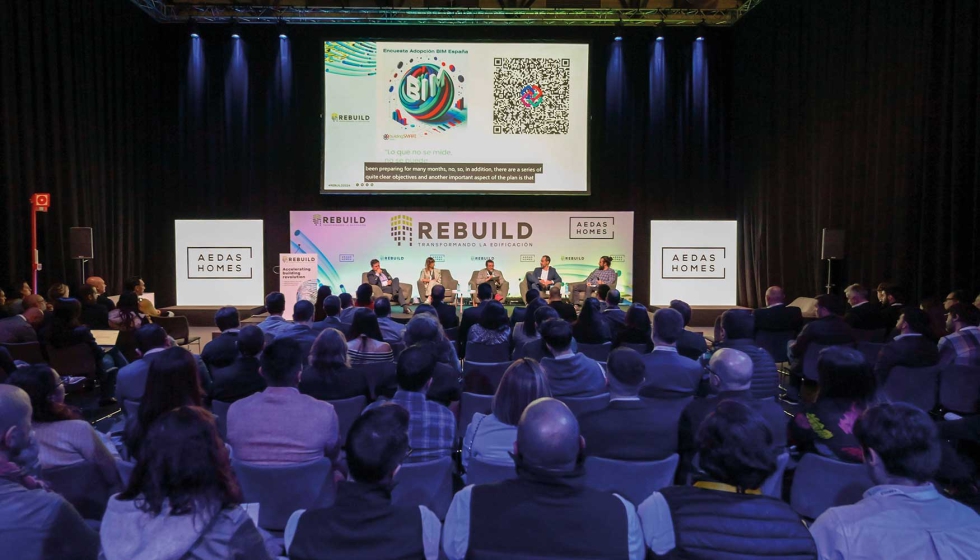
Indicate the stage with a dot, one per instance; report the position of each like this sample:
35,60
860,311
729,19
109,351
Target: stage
203,315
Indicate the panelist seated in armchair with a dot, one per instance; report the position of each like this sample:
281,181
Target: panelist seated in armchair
490,275
604,275
388,284
543,277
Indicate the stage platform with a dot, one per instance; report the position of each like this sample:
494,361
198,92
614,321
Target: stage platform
203,316
705,315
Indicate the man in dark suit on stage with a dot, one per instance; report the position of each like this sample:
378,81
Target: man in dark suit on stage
666,370
862,315
446,313
630,428
543,277
388,284
472,315
691,344
776,316
223,350
910,348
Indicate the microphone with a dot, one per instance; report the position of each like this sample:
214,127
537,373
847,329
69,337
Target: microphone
343,290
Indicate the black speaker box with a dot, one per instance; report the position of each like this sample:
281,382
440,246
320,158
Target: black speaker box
80,243
832,246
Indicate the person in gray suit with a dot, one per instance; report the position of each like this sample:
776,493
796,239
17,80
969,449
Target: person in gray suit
668,371
21,328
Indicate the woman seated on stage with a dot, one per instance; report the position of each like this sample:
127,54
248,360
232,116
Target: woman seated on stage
636,331
590,328
429,277
365,345
329,375
493,328
126,316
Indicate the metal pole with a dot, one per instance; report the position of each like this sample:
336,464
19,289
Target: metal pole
34,259
829,284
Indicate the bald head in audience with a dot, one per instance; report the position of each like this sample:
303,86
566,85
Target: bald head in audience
731,369
97,283
34,316
548,436
775,295
15,422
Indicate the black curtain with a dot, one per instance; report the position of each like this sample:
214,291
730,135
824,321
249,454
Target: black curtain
861,116
80,118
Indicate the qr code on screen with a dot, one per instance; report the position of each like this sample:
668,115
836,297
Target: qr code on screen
530,95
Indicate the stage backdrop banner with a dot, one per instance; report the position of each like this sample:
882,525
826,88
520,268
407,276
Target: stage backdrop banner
219,262
694,261
297,280
460,242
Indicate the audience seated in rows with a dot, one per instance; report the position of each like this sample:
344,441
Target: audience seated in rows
691,344
222,351
636,329
861,314
432,427
446,313
93,315
962,346
565,310
35,524
21,327
171,381
425,330
591,327
64,331
493,327
828,329
320,312
911,348
601,293
328,375
527,330
891,296
101,297
136,285
346,302
127,315
363,522
737,328
666,370
731,378
727,517
904,515
365,344
490,437
275,306
471,316
570,373
331,316
64,438
547,511
847,389
16,298
535,348
131,380
631,428
301,328
182,500
281,425
240,378
517,315
776,316
364,298
391,330
613,314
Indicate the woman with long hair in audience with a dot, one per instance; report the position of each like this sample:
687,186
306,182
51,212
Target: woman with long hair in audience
430,277
171,381
527,330
365,344
127,316
322,293
66,330
490,437
637,329
847,389
328,375
590,327
182,501
64,437
493,328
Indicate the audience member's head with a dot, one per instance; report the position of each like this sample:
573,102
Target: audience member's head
34,316
557,335
976,302
494,316
683,308
97,283
88,295
150,337
602,292
364,295
523,383
843,373
415,366
250,341
731,370
828,305
548,437
438,293
954,297
425,309
329,351
914,321
331,306
365,324
554,293
856,294
626,372
531,324
20,290
134,284
737,323
590,314
346,300
668,325
612,298
531,295
129,302
34,301
638,318
423,328
962,315
172,381
377,443
66,313
484,292
275,303
735,445
57,291
3,298
890,293
281,363
382,307
226,318
900,442
184,466
303,312
47,393
775,295
17,443
322,293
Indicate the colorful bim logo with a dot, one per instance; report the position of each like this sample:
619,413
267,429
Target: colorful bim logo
532,96
426,93
401,229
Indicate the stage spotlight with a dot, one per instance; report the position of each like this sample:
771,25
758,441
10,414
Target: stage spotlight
281,26
192,27
661,30
236,29
702,30
618,38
